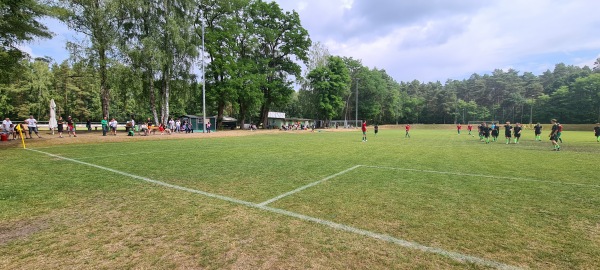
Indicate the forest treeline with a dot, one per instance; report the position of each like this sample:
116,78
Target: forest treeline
144,58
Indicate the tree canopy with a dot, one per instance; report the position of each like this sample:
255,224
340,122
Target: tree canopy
143,58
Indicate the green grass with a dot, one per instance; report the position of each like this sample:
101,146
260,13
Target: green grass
537,209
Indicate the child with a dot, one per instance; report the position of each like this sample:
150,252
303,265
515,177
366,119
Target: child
364,131
517,132
538,132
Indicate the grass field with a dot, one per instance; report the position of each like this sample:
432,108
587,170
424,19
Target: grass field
298,200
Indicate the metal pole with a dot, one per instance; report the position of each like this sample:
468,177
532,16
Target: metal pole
356,116
203,82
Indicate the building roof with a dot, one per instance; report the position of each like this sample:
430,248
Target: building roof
276,115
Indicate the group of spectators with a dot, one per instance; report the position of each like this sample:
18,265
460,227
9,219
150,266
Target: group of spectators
148,127
294,126
30,126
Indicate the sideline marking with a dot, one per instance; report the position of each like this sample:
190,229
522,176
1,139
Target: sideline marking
307,186
483,175
404,243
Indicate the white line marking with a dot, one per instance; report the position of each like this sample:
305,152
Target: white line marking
483,175
412,245
307,186
128,154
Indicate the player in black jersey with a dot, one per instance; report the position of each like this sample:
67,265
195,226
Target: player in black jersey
486,132
538,132
517,130
495,131
597,132
507,132
480,131
553,135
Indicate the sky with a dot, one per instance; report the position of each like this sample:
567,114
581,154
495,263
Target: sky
435,40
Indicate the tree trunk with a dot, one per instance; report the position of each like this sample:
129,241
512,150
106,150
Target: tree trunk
152,95
264,114
104,91
242,114
220,114
165,96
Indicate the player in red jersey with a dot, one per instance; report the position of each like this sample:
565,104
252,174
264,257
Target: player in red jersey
364,130
407,127
458,128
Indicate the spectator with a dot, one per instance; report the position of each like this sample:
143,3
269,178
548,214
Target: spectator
32,127
71,126
59,126
104,124
113,126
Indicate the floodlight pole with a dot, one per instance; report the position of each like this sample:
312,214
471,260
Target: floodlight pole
203,79
356,116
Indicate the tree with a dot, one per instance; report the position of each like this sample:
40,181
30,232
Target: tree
280,37
19,22
97,21
330,84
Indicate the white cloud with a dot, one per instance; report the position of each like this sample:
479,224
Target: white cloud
436,40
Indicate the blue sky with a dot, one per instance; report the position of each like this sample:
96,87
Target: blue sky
435,39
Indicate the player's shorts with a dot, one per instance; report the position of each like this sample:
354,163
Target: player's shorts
517,135
538,133
553,138
364,133
507,135
376,131
597,134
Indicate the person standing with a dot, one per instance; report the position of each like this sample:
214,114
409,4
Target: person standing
458,128
6,125
60,126
470,128
113,126
172,124
517,131
32,127
376,129
507,132
538,132
480,129
104,124
597,132
495,131
132,123
559,133
486,132
553,135
407,128
364,130
208,126
178,125
71,126
88,124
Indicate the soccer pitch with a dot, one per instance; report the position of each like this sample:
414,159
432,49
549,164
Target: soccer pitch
297,200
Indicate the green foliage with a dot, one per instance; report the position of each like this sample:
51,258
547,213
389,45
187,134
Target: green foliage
330,84
19,21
